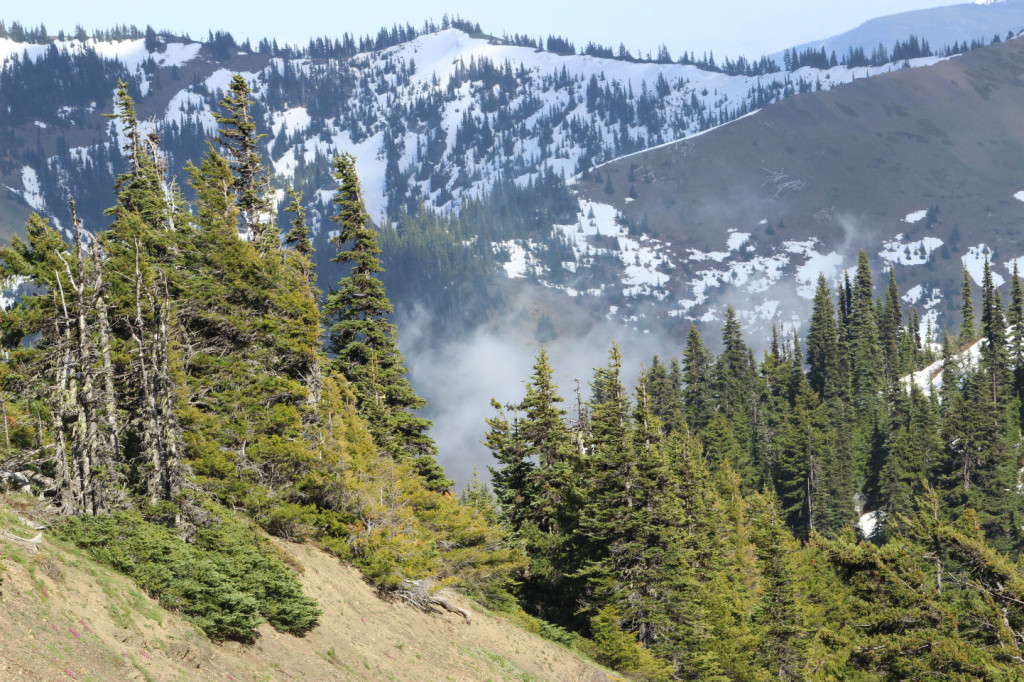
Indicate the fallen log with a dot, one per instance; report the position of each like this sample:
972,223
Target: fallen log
447,606
30,543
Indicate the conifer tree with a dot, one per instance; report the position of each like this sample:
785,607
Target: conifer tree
967,325
913,450
543,427
804,447
823,344
512,479
732,377
780,646
890,327
664,385
697,400
1015,332
995,361
298,236
364,342
865,352
643,564
252,189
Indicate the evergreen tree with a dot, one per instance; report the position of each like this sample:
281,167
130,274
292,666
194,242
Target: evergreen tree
544,429
364,342
697,400
935,600
967,328
823,344
995,360
732,377
913,450
298,236
1015,332
252,189
866,365
664,385
780,646
804,446
890,329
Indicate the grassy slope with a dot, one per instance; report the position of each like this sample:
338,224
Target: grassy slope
65,617
870,153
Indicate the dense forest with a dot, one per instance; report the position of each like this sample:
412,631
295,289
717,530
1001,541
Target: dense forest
714,515
176,387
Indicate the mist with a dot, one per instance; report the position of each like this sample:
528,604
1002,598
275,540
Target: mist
459,379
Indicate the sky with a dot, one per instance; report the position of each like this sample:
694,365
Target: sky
725,27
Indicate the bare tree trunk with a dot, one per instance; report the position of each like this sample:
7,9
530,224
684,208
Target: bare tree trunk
109,397
150,425
315,385
7,432
164,390
86,445
60,399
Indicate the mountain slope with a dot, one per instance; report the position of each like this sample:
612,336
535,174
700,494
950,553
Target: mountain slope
64,617
921,168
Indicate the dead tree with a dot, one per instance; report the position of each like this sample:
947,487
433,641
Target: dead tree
425,595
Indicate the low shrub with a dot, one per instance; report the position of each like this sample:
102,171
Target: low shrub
227,580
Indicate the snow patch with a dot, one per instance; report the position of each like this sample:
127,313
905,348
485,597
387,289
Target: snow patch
518,259
221,79
869,522
290,121
913,295
1019,260
643,259
177,54
1019,196
31,191
910,253
737,239
916,216
974,261
830,265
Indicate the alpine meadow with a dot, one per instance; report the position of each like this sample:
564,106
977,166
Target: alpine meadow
800,455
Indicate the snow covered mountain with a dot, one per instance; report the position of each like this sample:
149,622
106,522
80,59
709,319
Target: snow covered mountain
940,26
920,169
436,119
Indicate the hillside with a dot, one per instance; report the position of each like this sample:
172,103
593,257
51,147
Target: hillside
63,616
921,168
438,118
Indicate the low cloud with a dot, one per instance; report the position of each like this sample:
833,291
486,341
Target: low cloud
459,379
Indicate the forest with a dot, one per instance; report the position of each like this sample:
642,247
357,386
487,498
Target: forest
178,387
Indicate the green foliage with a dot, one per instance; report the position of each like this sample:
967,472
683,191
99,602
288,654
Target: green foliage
934,600
620,650
227,581
365,343
176,356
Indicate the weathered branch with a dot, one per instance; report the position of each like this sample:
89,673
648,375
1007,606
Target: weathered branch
32,543
422,595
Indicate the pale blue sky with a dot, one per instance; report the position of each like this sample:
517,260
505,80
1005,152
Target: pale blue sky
728,27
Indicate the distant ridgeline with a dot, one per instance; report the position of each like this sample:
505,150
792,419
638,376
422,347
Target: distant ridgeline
443,119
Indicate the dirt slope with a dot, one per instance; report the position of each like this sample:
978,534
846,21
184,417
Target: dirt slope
64,617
